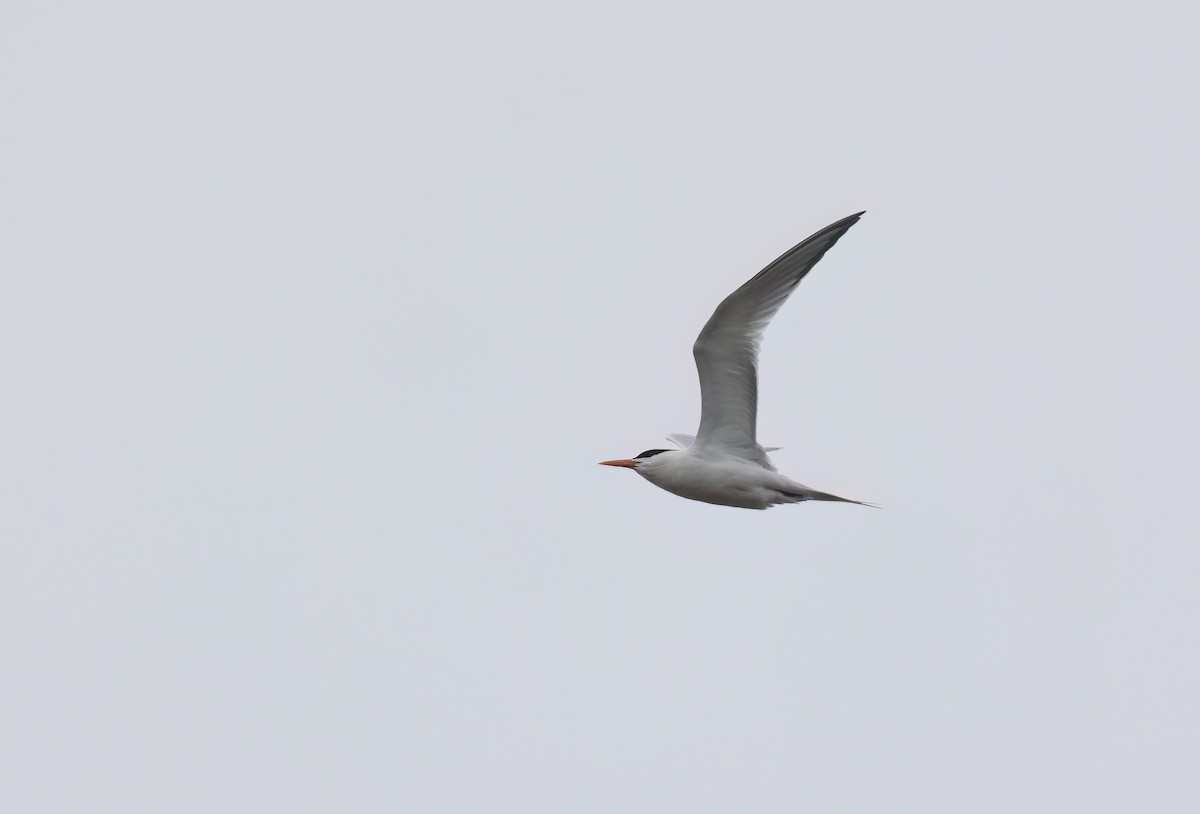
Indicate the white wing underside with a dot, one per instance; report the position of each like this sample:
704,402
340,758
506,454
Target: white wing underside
727,350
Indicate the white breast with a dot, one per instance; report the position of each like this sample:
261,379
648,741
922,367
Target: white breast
726,481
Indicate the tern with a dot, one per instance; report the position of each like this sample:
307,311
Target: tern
724,463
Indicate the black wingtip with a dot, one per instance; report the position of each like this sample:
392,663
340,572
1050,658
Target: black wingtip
838,227
826,238
841,225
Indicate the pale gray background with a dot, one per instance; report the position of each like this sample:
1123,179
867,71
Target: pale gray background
315,318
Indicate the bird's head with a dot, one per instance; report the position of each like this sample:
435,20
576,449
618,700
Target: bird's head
637,461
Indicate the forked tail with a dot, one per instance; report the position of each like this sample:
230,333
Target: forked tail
812,494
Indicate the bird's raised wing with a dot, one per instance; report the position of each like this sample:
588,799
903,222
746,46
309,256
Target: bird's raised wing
727,349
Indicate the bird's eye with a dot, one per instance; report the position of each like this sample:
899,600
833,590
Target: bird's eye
650,453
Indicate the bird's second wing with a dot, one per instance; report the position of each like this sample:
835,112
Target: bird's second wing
727,349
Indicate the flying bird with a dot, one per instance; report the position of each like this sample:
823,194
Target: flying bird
724,463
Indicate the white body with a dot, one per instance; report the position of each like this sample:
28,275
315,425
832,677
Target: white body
726,481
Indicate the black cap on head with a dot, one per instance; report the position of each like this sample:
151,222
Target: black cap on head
650,453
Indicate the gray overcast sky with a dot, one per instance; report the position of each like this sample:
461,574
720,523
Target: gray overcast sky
316,318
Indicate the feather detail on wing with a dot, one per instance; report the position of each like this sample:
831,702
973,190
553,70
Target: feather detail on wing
683,441
727,349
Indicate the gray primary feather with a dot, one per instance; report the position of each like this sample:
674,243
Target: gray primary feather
727,349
